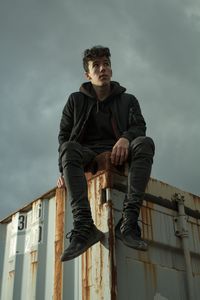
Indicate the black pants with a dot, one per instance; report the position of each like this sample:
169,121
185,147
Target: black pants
75,159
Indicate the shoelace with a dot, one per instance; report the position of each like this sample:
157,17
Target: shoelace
83,234
71,234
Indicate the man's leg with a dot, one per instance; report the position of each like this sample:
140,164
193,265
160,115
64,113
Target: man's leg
140,162
85,234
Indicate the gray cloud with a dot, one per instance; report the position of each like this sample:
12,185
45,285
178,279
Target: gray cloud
154,48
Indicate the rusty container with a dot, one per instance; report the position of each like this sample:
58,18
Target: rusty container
33,238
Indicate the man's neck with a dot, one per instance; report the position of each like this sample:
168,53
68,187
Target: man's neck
102,92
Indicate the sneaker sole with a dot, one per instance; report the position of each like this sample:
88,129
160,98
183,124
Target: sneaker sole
99,237
135,246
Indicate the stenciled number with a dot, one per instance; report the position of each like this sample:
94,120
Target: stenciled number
22,222
40,234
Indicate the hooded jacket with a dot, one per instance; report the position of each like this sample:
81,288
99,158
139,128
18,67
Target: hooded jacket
127,119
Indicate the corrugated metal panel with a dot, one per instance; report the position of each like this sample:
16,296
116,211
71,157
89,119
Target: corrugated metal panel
32,240
3,228
28,264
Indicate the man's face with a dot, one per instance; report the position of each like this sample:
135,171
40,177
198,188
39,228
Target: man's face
99,71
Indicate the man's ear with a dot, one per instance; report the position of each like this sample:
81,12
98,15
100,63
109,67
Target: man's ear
87,76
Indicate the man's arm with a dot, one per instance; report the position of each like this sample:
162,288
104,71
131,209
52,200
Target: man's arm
137,127
66,125
137,124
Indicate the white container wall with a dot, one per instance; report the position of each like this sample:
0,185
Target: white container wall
33,238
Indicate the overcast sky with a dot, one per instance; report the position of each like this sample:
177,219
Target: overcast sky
155,46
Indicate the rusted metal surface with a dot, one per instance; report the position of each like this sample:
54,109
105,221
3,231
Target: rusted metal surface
164,246
112,256
59,238
33,240
26,253
192,201
105,167
147,228
164,259
98,266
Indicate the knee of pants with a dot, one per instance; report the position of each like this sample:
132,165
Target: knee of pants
70,151
143,144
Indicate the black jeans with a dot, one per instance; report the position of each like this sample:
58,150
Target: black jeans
140,161
75,158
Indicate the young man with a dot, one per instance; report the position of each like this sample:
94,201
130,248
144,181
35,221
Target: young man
102,117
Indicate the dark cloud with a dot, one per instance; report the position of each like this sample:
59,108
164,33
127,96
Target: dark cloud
154,48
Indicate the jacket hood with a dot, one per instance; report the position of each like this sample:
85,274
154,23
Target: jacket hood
88,90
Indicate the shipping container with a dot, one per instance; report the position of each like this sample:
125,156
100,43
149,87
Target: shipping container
33,238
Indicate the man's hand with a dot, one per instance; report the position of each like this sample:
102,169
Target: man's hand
120,152
61,182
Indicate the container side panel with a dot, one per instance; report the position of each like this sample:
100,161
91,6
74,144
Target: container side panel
164,190
9,259
42,221
33,239
29,264
3,229
59,241
194,235
19,259
50,250
98,265
69,276
159,273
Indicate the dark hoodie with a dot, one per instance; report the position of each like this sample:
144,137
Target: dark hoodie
101,132
120,109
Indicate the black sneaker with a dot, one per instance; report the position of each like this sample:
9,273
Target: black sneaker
80,241
131,238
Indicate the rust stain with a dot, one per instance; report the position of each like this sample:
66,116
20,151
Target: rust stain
34,269
112,254
109,180
97,260
105,170
147,221
59,239
151,224
92,260
103,164
98,263
98,267
150,205
34,265
195,228
85,276
150,273
196,201
33,256
101,269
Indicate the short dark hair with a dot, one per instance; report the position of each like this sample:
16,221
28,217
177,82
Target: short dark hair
95,52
